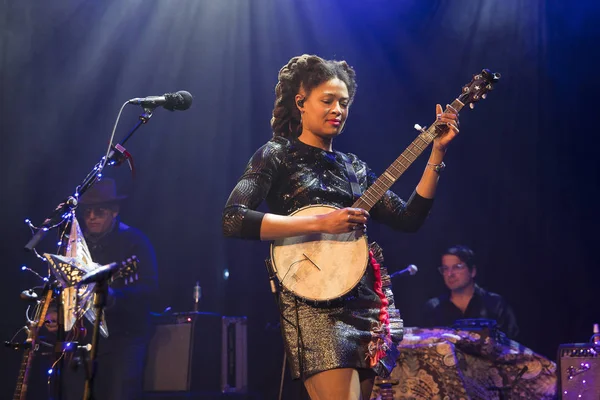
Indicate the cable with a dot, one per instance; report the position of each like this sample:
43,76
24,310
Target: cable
282,374
27,315
99,167
276,289
112,136
19,331
300,344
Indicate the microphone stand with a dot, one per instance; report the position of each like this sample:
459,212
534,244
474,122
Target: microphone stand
61,218
66,207
100,296
275,288
60,338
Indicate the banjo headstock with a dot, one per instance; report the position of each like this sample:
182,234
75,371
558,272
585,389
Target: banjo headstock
479,87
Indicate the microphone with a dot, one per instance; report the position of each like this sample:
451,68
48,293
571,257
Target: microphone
29,295
102,273
411,269
181,100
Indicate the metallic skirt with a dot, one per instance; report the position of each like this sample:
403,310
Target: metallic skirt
345,333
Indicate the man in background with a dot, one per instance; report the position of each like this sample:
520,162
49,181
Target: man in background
465,299
121,356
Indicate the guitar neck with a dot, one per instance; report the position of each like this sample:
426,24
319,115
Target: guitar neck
23,379
376,191
21,388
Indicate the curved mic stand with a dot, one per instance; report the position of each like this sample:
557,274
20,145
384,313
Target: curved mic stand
61,218
60,215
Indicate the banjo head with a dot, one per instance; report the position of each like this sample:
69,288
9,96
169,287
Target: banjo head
320,267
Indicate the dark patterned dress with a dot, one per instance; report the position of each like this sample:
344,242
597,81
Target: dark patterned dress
348,332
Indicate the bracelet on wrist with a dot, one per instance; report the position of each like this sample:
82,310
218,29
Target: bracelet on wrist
438,168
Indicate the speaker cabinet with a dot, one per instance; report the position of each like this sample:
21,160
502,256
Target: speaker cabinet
578,372
197,352
234,355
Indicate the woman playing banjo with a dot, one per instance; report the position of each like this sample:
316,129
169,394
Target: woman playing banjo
336,347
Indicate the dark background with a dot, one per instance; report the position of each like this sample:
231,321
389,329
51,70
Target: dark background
520,187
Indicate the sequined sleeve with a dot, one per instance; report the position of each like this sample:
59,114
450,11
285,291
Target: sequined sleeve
407,216
239,216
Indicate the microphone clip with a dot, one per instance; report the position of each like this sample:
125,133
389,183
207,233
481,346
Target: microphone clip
273,281
118,155
147,114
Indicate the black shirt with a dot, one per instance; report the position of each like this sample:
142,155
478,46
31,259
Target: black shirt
440,311
128,309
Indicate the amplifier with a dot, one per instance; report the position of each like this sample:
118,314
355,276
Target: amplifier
234,355
197,352
578,371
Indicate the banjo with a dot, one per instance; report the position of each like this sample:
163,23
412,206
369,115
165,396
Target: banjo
323,267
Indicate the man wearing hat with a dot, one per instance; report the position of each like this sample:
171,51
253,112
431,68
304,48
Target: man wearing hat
121,356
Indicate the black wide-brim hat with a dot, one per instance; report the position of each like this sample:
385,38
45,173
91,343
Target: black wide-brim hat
102,192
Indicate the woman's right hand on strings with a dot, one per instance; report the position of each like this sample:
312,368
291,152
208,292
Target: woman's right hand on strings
344,220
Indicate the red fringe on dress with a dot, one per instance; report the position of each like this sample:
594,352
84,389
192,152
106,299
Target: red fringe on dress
381,340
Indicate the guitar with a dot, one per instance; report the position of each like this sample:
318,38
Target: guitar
323,267
31,346
127,270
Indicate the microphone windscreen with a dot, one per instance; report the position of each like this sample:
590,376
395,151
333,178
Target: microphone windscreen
181,100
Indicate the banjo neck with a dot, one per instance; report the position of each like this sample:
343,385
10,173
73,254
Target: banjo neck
376,191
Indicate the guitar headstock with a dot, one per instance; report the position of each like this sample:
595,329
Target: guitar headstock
128,270
479,87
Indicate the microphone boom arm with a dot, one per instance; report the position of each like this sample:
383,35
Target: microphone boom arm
411,270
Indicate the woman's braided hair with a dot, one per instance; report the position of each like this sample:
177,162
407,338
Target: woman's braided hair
306,72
